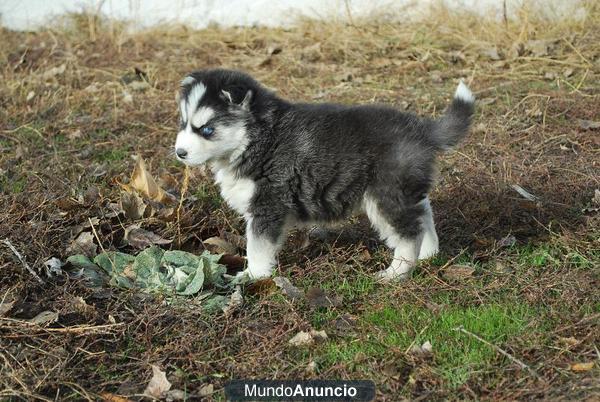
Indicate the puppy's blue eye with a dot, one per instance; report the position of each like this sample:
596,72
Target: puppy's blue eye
207,131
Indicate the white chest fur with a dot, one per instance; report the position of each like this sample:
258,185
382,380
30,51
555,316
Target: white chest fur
236,191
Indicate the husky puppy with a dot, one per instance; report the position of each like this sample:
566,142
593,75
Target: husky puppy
281,164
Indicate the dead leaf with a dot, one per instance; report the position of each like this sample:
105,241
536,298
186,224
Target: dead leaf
217,245
233,262
344,325
235,239
568,72
83,244
311,367
457,272
579,367
53,267
67,203
206,390
365,256
5,307
524,193
539,48
318,298
132,205
45,317
169,183
141,238
569,341
425,349
236,300
596,199
54,71
109,397
307,338
301,339
312,53
143,182
158,384
175,395
319,335
491,52
589,124
507,241
287,288
91,195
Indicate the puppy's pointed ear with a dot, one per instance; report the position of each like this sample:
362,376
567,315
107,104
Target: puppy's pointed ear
226,96
247,100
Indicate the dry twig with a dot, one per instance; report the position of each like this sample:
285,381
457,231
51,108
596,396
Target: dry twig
20,257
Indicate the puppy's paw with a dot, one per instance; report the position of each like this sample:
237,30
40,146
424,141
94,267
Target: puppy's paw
254,275
389,275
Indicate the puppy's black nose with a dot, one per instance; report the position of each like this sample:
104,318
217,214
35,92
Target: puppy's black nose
181,153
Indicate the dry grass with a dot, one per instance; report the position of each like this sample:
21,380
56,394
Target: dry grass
68,133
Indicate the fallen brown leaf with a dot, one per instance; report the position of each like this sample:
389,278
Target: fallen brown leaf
218,245
141,238
582,366
589,124
133,205
318,298
108,397
158,384
261,287
83,244
233,262
457,272
287,288
45,317
143,182
5,307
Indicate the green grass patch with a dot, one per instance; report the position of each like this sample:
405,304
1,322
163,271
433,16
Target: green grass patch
12,185
112,155
208,195
456,355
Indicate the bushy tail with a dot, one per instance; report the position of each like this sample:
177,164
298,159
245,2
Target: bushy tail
453,126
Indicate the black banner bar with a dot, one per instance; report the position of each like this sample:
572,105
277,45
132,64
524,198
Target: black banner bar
313,390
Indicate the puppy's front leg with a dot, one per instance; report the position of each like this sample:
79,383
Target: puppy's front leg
264,240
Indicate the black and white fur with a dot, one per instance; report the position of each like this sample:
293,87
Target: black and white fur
282,164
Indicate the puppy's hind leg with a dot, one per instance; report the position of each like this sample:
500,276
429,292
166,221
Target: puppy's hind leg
430,244
405,243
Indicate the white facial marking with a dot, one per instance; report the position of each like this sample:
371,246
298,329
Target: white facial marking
202,116
430,244
183,110
194,97
405,250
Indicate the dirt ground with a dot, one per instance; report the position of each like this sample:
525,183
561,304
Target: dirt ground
510,307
